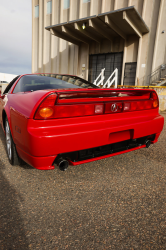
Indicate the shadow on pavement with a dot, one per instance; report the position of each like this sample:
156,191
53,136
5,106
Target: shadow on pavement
12,235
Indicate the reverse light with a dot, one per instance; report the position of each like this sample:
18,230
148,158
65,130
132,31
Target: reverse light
99,109
127,106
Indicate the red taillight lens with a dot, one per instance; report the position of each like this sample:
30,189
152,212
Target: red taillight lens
49,101
155,100
148,104
155,103
153,96
73,110
140,105
46,108
78,110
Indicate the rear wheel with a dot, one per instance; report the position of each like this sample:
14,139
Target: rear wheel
10,147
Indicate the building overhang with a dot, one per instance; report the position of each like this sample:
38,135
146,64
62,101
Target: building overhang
108,25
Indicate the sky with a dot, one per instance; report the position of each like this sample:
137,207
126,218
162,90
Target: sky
15,36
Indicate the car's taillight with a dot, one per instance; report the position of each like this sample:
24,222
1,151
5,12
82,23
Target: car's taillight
46,112
142,105
46,108
49,110
78,110
155,100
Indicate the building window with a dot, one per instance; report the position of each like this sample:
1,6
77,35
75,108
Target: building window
86,1
37,11
66,4
49,7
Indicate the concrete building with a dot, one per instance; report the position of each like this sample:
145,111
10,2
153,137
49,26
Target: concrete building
81,37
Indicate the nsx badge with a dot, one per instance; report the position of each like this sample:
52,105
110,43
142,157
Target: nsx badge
114,107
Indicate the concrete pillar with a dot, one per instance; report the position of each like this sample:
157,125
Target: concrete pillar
33,37
47,41
138,61
35,41
129,3
138,4
73,51
84,9
54,39
74,9
146,43
121,4
107,5
83,61
95,7
159,56
115,4
150,16
124,60
142,48
41,17
63,45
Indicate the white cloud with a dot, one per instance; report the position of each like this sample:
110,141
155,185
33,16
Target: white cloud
15,36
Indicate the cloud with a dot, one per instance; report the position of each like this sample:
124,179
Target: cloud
16,36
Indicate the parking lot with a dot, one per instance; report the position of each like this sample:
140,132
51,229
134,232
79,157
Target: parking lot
115,203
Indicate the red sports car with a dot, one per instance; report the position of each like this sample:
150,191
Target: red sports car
53,119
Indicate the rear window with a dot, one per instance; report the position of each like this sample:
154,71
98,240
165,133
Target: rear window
50,81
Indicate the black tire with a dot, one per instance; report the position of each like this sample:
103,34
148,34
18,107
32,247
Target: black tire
10,146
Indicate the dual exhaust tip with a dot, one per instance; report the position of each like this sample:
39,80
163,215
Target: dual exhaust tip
147,143
62,164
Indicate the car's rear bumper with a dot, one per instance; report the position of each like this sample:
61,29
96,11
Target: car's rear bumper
47,163
47,139
42,163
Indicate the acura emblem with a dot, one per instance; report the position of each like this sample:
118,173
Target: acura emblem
114,107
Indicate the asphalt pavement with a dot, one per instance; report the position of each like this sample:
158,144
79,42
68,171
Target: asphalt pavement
115,203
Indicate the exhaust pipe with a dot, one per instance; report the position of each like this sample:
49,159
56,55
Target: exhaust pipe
147,143
63,164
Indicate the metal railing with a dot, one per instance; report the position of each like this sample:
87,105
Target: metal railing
109,81
154,77
101,80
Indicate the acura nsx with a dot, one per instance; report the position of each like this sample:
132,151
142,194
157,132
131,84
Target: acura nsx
53,119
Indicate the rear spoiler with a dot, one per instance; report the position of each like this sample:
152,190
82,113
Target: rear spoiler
100,95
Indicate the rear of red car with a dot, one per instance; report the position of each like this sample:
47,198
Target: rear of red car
81,125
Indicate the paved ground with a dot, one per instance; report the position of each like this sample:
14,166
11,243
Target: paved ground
116,203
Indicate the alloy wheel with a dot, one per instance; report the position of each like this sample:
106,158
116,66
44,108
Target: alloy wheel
8,141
